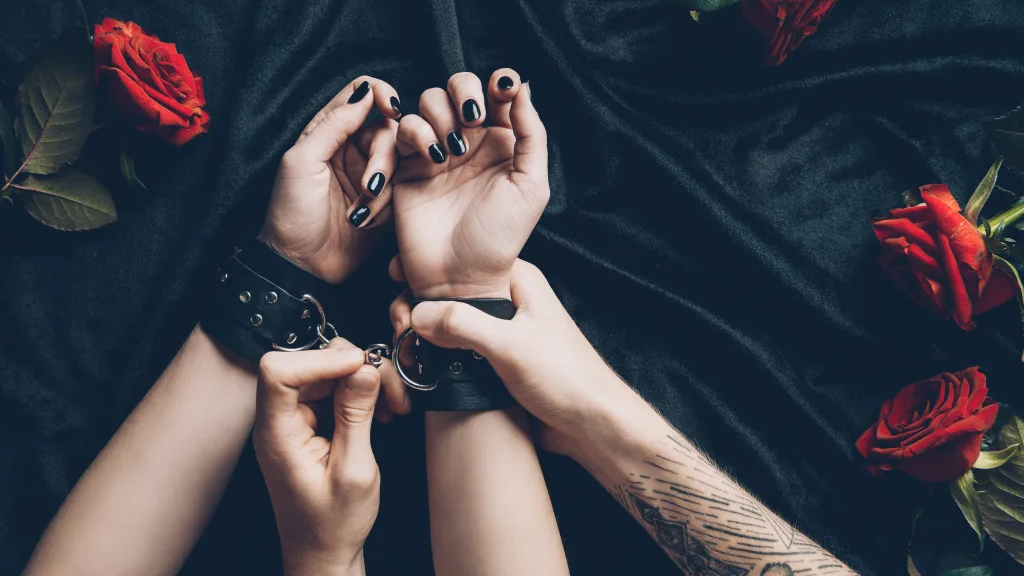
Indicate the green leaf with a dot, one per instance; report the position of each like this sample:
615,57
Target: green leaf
982,192
707,5
996,458
695,15
70,200
1003,264
1001,495
128,170
9,144
966,498
58,100
1007,135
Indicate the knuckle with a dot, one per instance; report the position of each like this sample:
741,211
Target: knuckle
354,415
271,367
291,159
359,479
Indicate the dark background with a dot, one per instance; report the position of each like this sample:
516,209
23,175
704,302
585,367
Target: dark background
709,229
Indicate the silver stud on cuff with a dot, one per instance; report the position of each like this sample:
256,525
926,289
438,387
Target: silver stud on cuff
477,356
305,314
456,368
256,319
224,277
292,337
244,297
270,297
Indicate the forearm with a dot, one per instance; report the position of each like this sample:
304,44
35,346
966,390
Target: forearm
144,501
489,508
692,509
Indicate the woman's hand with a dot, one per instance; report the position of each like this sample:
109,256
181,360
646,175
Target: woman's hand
335,182
468,196
325,491
547,364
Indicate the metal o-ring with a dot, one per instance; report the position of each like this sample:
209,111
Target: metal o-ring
320,329
396,358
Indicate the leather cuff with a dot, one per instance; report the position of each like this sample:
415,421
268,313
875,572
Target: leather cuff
261,299
465,380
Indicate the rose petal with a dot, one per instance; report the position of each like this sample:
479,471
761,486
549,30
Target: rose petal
961,303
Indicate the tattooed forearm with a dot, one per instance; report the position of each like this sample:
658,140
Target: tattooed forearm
709,525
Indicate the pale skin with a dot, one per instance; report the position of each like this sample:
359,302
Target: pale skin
461,222
184,438
704,520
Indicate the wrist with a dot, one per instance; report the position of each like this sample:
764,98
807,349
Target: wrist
498,288
311,564
340,271
617,431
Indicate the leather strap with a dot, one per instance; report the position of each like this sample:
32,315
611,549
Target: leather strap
249,313
465,380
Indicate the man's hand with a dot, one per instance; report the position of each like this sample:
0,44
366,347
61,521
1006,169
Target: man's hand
467,196
325,492
545,361
335,182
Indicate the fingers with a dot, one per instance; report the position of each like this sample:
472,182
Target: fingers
530,288
501,90
416,135
354,401
375,186
468,95
401,312
531,150
394,391
459,325
395,269
282,374
337,122
437,110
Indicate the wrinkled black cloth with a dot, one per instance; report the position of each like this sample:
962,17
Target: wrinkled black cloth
708,229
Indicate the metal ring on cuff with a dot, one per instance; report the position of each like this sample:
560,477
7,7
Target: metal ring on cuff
319,329
376,354
395,356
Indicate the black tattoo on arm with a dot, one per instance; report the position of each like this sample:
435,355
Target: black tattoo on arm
710,526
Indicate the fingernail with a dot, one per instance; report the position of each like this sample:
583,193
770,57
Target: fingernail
359,215
455,143
396,104
470,111
360,92
436,154
376,184
504,83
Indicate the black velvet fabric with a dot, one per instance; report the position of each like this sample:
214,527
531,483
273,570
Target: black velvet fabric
708,229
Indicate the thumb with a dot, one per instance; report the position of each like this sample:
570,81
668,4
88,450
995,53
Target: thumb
531,149
354,401
459,325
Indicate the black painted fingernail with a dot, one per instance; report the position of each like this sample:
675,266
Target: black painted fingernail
456,144
360,92
358,215
470,111
376,184
436,154
505,83
396,104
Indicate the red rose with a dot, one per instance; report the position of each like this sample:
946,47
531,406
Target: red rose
932,429
783,24
940,259
149,82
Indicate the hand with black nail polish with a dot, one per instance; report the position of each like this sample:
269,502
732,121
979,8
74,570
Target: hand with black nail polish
462,218
340,168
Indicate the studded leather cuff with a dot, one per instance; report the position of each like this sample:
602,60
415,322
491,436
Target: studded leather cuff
460,380
263,302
